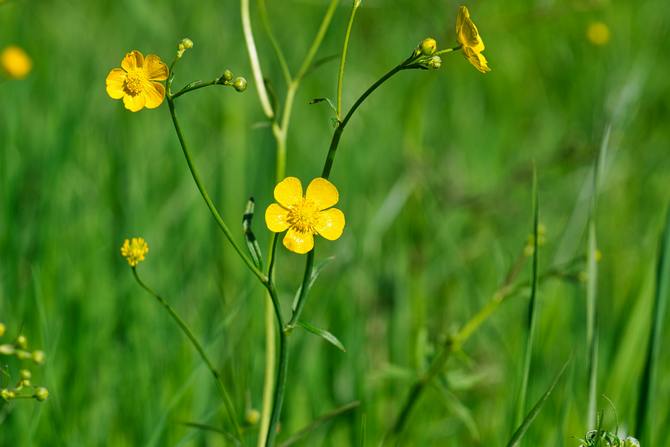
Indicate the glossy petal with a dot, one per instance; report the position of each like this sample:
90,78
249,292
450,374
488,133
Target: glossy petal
155,68
477,60
114,83
298,242
322,193
288,192
467,33
132,60
275,218
155,92
330,224
134,103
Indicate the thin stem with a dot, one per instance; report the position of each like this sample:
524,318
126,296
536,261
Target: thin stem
448,50
309,264
195,86
335,141
262,9
253,59
230,409
343,59
208,200
316,43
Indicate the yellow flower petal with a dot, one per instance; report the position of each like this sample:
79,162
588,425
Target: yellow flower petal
276,218
132,60
298,242
288,192
322,193
477,60
154,92
330,224
155,68
114,83
135,103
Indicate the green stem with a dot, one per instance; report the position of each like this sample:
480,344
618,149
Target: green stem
316,43
195,86
309,265
201,187
230,409
262,9
343,59
253,59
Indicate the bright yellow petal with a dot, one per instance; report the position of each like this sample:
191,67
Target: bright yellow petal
463,14
275,218
288,192
155,68
477,60
132,60
134,103
298,242
330,224
155,92
322,193
114,83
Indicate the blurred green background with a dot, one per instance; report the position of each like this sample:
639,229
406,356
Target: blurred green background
434,174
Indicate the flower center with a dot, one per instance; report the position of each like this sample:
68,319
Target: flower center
303,216
133,83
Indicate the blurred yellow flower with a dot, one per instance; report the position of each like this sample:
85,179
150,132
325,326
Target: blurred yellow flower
306,216
15,62
470,40
134,250
598,33
2,329
138,81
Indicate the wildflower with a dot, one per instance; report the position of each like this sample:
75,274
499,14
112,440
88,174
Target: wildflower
428,46
15,62
138,81
470,40
305,216
598,33
134,250
2,329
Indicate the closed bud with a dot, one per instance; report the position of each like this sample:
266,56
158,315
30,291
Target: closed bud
631,442
2,329
435,62
38,357
21,342
7,394
227,75
240,84
25,374
186,43
41,394
252,416
428,46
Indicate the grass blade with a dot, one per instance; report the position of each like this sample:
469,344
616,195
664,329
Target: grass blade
645,412
532,305
532,414
330,338
318,422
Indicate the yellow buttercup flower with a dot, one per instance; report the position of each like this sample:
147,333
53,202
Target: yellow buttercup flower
138,81
598,33
134,250
470,40
15,62
306,216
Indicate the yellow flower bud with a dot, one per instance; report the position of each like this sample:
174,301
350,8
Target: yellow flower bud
186,43
25,374
15,62
227,76
598,33
2,329
7,394
21,342
428,46
38,357
41,394
240,84
7,349
252,416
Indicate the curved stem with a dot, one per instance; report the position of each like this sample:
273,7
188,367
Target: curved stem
262,9
316,43
343,59
230,409
208,200
309,264
253,59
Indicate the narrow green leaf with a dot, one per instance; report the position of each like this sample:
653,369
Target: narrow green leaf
330,338
644,418
327,100
316,271
318,422
532,414
249,237
532,310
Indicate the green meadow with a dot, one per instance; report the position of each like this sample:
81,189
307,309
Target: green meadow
565,275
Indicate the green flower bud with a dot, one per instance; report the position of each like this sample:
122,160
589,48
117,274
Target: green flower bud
41,394
428,46
21,342
7,394
227,75
252,416
435,62
25,374
38,357
186,43
631,442
240,84
7,349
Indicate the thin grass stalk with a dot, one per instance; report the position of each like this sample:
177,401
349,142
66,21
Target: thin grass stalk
644,421
343,58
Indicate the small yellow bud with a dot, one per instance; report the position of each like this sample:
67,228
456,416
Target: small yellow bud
38,357
21,342
240,84
428,46
25,374
227,76
186,43
7,394
15,62
2,329
7,349
252,416
435,62
598,33
41,394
